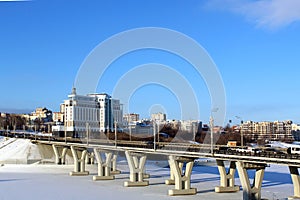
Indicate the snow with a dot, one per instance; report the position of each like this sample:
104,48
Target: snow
50,181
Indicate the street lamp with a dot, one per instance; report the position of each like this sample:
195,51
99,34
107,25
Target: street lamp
154,133
242,134
158,131
194,131
87,125
116,134
129,126
65,130
211,123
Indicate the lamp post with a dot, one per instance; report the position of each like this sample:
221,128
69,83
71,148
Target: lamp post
242,133
115,134
154,133
129,125
7,131
211,123
65,130
194,131
34,132
87,133
158,131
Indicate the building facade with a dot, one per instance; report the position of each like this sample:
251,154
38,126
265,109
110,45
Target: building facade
58,116
131,117
41,113
159,117
277,130
93,113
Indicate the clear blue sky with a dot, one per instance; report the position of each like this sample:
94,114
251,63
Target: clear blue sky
255,45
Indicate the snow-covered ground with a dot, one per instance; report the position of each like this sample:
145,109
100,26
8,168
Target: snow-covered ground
50,181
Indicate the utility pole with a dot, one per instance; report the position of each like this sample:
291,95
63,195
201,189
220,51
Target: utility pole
158,131
154,133
87,133
34,132
241,130
7,131
115,134
211,124
211,121
65,129
129,125
23,130
194,131
49,132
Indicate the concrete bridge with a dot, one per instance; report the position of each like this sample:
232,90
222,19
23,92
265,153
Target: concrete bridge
106,155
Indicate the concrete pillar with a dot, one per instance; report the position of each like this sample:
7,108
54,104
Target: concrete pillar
296,182
182,179
90,158
251,192
79,163
104,165
227,183
60,154
114,165
136,163
171,181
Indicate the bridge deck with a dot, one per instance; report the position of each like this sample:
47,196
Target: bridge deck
177,150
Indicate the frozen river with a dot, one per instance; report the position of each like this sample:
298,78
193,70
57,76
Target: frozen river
50,181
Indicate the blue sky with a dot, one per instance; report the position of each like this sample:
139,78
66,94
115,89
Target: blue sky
255,45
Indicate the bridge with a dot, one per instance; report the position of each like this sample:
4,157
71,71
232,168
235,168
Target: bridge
178,154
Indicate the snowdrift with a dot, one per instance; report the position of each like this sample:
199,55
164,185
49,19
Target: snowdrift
22,151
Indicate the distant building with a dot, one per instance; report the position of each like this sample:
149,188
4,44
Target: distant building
158,117
41,113
131,117
190,125
58,116
97,111
277,130
296,131
295,127
3,115
117,108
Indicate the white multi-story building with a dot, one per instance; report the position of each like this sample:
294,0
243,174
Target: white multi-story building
190,125
98,112
161,117
131,118
267,130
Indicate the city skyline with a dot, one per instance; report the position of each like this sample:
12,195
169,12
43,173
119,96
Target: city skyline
44,44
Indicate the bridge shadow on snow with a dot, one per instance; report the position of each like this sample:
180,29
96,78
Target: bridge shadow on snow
270,178
10,180
205,191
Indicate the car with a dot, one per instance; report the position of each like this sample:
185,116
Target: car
248,150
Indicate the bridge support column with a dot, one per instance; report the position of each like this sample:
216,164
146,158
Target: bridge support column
90,158
171,181
104,168
60,155
182,180
251,192
296,182
136,163
226,178
79,163
114,170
